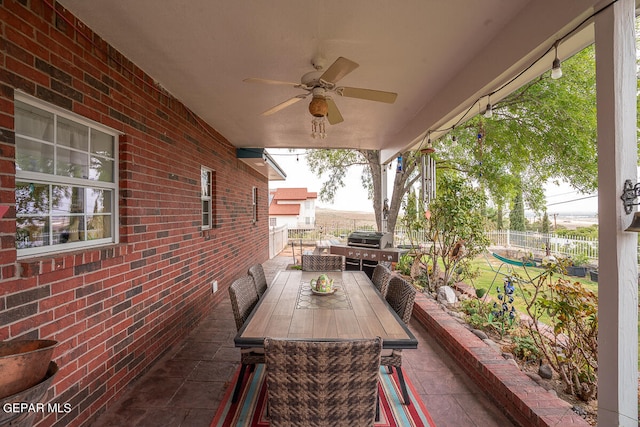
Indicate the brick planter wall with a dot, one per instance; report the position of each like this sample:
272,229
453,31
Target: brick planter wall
520,398
116,309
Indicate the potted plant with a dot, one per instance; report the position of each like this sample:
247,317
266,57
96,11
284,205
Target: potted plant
593,275
577,266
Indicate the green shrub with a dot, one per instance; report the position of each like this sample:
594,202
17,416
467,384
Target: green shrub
404,264
525,348
571,346
477,313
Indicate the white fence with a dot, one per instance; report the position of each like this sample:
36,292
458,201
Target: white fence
533,242
527,241
538,243
277,240
405,237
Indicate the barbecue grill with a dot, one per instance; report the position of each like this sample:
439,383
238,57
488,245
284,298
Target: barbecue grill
370,239
365,249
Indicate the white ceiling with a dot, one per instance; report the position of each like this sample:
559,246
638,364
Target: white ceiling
439,56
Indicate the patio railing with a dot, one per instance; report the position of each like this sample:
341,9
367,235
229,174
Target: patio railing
338,230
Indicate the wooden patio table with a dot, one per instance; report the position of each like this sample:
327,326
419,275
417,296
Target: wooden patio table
356,310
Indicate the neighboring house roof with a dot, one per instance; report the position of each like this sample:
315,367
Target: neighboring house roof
275,209
293,194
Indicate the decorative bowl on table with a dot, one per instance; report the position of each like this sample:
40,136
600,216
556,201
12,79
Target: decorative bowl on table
322,285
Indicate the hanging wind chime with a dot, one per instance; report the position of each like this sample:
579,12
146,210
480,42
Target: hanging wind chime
428,176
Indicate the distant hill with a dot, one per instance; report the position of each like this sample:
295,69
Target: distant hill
328,216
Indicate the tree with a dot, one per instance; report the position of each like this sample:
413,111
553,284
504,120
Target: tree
334,165
516,216
545,223
545,130
455,225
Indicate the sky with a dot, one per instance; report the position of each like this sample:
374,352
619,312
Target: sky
561,199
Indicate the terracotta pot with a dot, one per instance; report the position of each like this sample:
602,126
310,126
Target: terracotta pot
23,364
32,395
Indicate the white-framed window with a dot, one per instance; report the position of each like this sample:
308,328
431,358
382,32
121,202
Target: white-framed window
273,222
254,204
207,195
66,180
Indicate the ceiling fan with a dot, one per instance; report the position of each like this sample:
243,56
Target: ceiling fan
322,84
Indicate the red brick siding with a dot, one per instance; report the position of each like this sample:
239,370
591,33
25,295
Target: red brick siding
116,309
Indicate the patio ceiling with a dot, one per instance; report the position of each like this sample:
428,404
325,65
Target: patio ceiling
438,56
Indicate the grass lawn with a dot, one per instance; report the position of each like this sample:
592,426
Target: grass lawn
492,273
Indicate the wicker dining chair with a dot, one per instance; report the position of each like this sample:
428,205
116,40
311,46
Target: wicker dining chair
316,383
322,262
244,297
400,295
380,278
257,272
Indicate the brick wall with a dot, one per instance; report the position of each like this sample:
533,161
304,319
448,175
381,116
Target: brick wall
116,309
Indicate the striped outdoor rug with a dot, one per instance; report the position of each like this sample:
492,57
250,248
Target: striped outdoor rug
250,410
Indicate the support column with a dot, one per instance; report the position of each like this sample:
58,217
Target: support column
383,197
618,271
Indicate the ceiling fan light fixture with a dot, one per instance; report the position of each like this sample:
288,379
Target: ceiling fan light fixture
318,107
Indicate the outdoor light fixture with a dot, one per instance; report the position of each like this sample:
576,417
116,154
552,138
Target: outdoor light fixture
635,224
488,113
556,71
629,195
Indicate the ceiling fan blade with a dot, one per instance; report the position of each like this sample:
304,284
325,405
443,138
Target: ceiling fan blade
285,104
368,94
269,82
333,114
340,68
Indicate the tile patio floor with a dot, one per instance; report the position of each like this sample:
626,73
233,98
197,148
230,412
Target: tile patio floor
186,386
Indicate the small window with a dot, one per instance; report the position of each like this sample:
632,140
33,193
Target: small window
273,222
254,204
207,197
66,187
